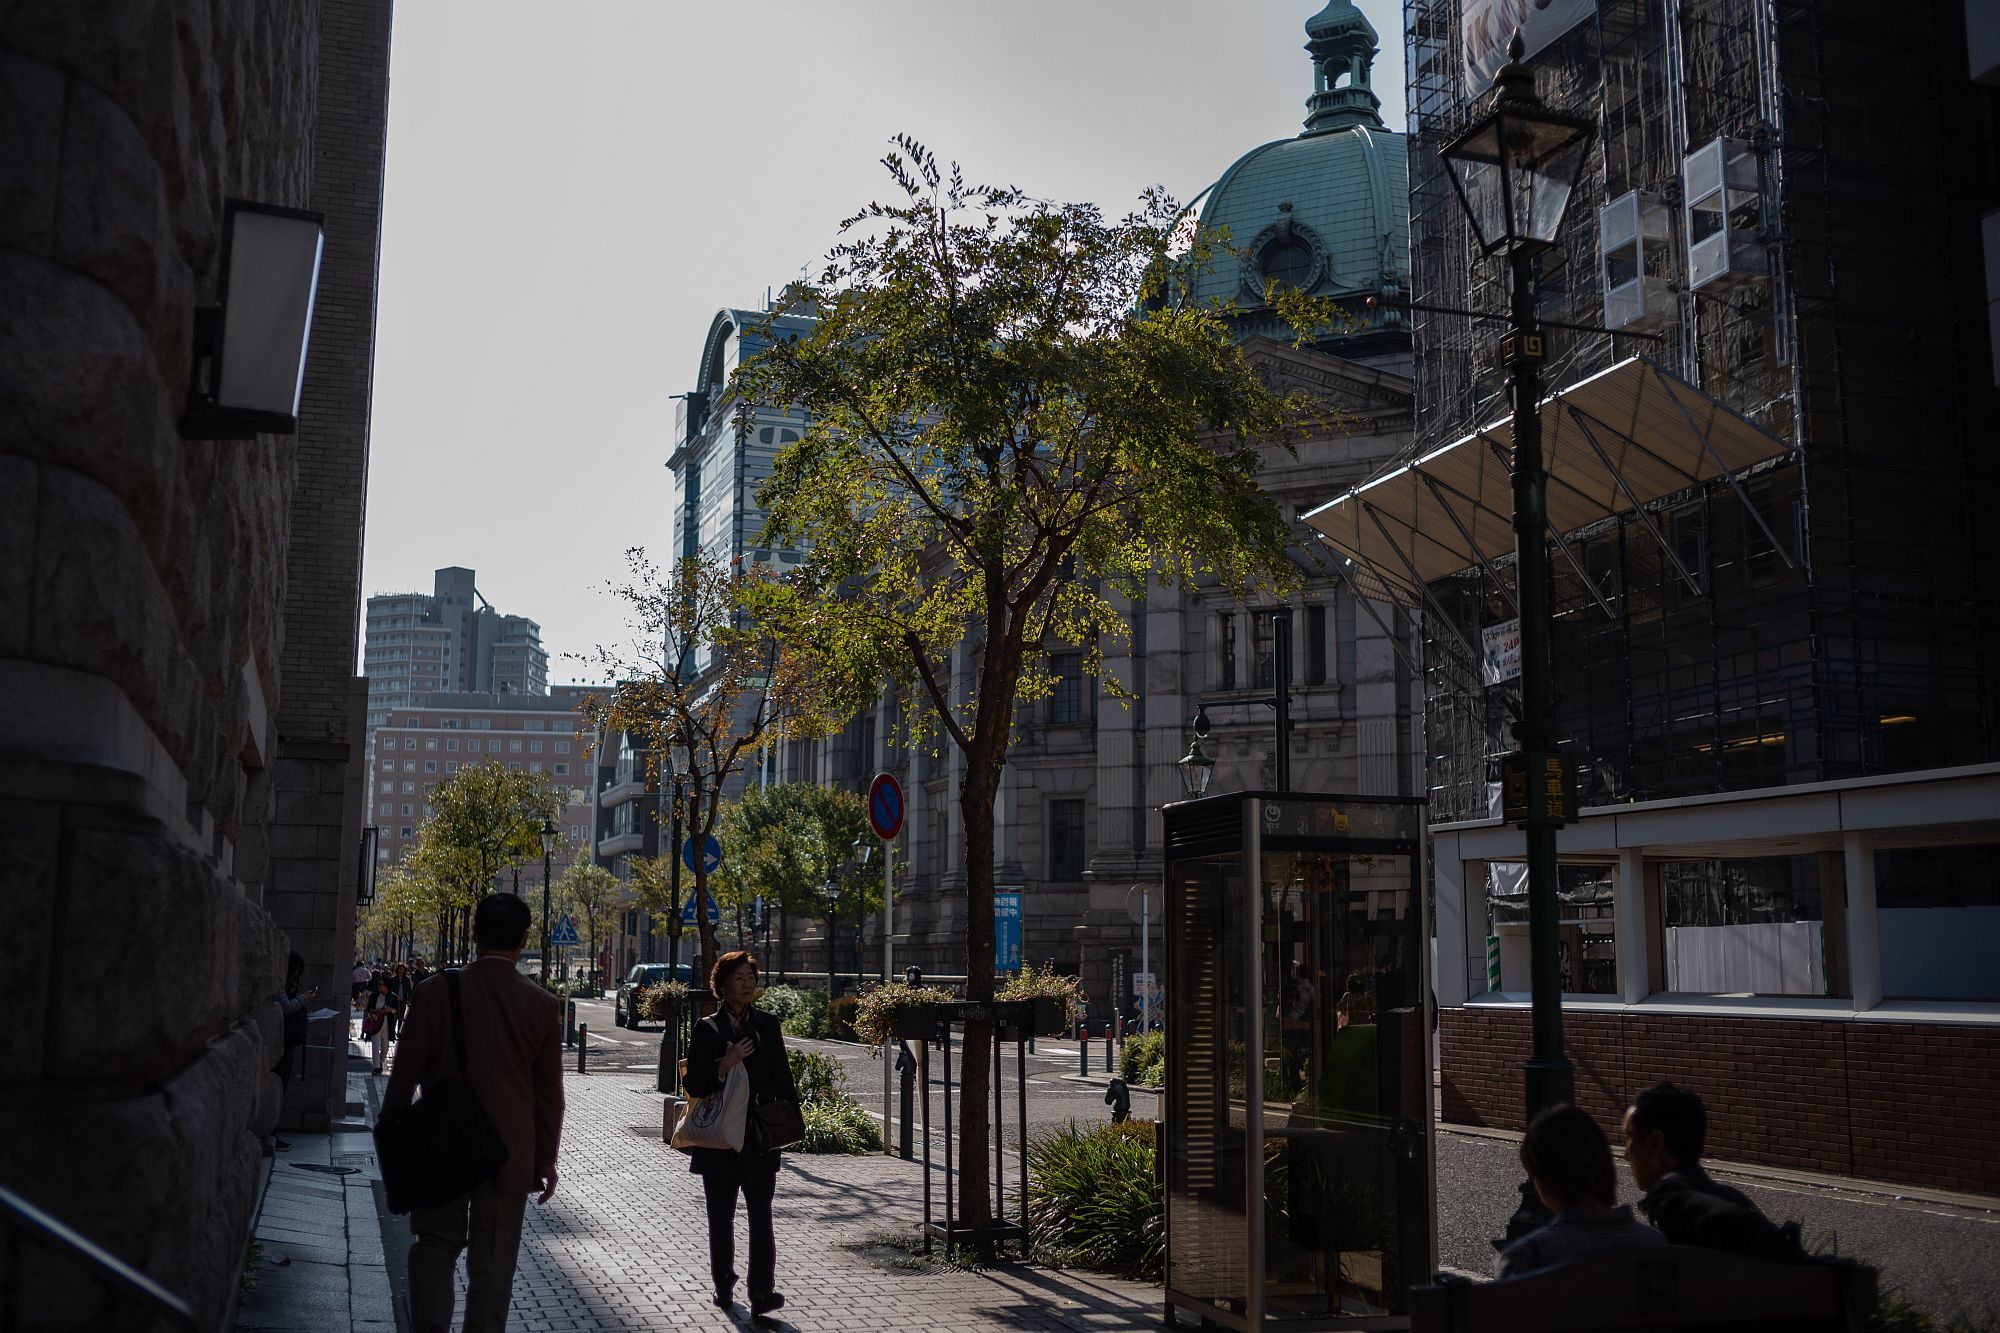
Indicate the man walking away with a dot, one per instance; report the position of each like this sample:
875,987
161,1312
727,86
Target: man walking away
1665,1131
513,1050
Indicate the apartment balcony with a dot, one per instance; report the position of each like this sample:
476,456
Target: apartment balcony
621,842
618,793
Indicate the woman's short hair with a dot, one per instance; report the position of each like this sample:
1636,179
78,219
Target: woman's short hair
718,976
1566,1153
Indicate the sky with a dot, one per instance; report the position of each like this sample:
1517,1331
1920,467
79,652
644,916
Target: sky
572,191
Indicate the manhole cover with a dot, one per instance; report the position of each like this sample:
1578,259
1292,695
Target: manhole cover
357,1160
323,1170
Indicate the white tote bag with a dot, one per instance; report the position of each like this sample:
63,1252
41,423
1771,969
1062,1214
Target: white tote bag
716,1121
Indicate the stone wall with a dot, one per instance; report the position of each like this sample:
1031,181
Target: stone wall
150,622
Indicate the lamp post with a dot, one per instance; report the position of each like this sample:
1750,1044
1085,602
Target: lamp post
1514,170
832,908
548,836
864,852
1195,766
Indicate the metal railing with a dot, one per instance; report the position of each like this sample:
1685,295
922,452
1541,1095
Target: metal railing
25,1224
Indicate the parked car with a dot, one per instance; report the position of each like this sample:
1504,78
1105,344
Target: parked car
644,974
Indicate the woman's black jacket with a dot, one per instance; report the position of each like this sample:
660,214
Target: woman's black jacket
770,1073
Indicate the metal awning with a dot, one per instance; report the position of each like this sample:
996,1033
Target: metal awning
1617,442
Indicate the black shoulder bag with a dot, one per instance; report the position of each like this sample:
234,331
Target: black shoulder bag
444,1143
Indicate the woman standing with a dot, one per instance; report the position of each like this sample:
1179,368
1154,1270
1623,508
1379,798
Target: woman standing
375,1019
737,1034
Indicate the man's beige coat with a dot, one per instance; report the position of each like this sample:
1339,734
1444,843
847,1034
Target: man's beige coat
513,1047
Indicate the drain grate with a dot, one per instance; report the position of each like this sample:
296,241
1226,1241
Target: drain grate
323,1170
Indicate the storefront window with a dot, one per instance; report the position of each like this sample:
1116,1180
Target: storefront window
1745,927
1937,911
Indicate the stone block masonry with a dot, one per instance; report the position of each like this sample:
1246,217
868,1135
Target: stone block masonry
177,616
1898,1102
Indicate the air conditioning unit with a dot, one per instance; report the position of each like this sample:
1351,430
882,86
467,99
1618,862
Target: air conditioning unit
1723,213
1633,233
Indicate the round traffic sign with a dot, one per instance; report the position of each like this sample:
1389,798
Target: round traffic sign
885,806
711,854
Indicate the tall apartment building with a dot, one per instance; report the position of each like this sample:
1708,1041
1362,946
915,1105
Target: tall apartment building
1776,596
429,739
451,639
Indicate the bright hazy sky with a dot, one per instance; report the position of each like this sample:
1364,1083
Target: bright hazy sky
575,189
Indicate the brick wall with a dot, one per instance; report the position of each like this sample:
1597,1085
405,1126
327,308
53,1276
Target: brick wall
1882,1101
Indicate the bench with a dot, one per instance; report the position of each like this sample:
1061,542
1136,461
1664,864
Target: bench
1671,1287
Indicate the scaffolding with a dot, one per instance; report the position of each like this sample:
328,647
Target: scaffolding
1849,626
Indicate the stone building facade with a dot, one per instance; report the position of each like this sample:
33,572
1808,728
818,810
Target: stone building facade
180,723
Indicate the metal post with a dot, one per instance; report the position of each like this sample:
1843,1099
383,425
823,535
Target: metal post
888,909
1547,1075
1021,1091
569,1021
545,915
1281,693
999,1137
582,1045
1082,1046
924,1073
1146,958
1109,1063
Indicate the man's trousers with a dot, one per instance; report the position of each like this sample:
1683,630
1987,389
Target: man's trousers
486,1225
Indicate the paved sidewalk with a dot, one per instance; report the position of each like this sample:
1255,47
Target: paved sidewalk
624,1244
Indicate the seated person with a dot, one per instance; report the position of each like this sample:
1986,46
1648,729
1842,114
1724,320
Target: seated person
1665,1130
1569,1160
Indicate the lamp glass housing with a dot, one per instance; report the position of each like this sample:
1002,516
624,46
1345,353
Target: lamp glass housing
270,279
1515,169
549,834
1196,769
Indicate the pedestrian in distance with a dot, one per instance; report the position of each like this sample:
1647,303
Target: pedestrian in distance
362,976
376,1017
1666,1129
400,987
1569,1160
739,1034
513,1060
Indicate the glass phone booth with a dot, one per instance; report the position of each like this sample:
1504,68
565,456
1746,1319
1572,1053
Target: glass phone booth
1297,1122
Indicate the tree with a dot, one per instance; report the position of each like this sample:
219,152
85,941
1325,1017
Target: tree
589,893
1016,413
482,819
786,841
703,687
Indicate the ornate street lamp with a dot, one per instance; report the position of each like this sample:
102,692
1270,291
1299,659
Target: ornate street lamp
1195,766
548,836
1515,169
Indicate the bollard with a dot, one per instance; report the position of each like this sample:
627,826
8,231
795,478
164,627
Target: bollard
569,1022
906,1065
1082,1047
582,1044
1109,1063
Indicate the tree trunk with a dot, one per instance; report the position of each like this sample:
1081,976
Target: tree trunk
976,793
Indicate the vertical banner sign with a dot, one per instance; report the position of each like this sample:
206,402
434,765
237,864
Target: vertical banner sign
1006,930
1500,652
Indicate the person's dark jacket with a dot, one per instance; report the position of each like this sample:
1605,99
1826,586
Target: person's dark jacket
769,1071
1691,1208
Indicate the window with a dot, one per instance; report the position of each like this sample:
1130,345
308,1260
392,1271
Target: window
451,744
514,747
482,724
407,810
1743,927
388,789
473,745
388,742
451,765
534,724
562,770
1288,260
513,768
409,832
409,765
430,743
1066,701
409,789
562,747
1316,645
1226,640
534,747
535,766
409,742
1937,917
385,810
450,724
430,765
1065,840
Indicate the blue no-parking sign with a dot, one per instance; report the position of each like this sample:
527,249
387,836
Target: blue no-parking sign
1006,931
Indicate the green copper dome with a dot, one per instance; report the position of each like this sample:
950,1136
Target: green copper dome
1327,211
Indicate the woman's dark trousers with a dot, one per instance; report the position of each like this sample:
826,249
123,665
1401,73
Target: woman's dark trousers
756,1175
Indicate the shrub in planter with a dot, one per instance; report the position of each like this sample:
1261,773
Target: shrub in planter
875,1014
1144,1059
655,1003
1094,1201
839,1127
1045,983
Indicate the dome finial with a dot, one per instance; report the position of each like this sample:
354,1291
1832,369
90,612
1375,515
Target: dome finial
1342,44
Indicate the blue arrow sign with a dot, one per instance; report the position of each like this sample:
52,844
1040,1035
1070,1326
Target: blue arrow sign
711,854
564,935
714,912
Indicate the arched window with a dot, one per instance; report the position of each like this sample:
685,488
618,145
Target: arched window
1288,260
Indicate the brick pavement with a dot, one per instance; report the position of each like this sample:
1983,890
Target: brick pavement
623,1245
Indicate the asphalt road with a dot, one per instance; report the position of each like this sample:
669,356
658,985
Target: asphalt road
1944,1259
